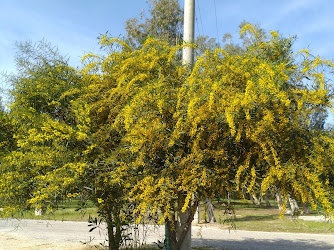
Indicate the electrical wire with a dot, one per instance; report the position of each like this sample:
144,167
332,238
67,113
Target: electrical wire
214,1
200,16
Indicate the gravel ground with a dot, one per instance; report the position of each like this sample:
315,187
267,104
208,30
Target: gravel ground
36,234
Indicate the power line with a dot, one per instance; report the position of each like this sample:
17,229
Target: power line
197,26
214,1
200,16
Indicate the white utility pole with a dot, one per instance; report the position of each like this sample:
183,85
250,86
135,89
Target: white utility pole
188,32
187,59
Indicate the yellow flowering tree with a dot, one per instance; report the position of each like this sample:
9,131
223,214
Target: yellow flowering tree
248,113
235,122
57,156
137,127
42,114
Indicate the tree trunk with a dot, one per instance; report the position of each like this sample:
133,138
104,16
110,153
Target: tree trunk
114,236
294,207
243,191
111,238
179,232
266,200
305,209
252,199
257,201
172,241
183,230
209,211
279,201
228,199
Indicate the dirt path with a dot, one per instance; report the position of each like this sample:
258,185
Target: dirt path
34,234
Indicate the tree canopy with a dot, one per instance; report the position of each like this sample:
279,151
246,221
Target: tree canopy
234,122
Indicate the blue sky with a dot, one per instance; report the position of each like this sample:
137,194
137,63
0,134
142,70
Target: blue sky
74,25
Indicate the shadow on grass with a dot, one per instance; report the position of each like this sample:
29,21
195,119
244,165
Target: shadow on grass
257,218
258,244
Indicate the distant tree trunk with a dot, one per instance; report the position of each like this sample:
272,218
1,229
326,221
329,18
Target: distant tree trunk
267,200
209,211
257,200
228,199
243,191
279,201
252,199
294,207
305,209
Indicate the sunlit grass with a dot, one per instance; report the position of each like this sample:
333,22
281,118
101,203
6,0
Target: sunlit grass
70,210
253,217
247,217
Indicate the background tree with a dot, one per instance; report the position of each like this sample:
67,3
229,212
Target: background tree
165,22
43,78
204,43
59,153
43,90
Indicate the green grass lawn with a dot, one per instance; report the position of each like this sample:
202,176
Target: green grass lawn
247,217
66,211
261,218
